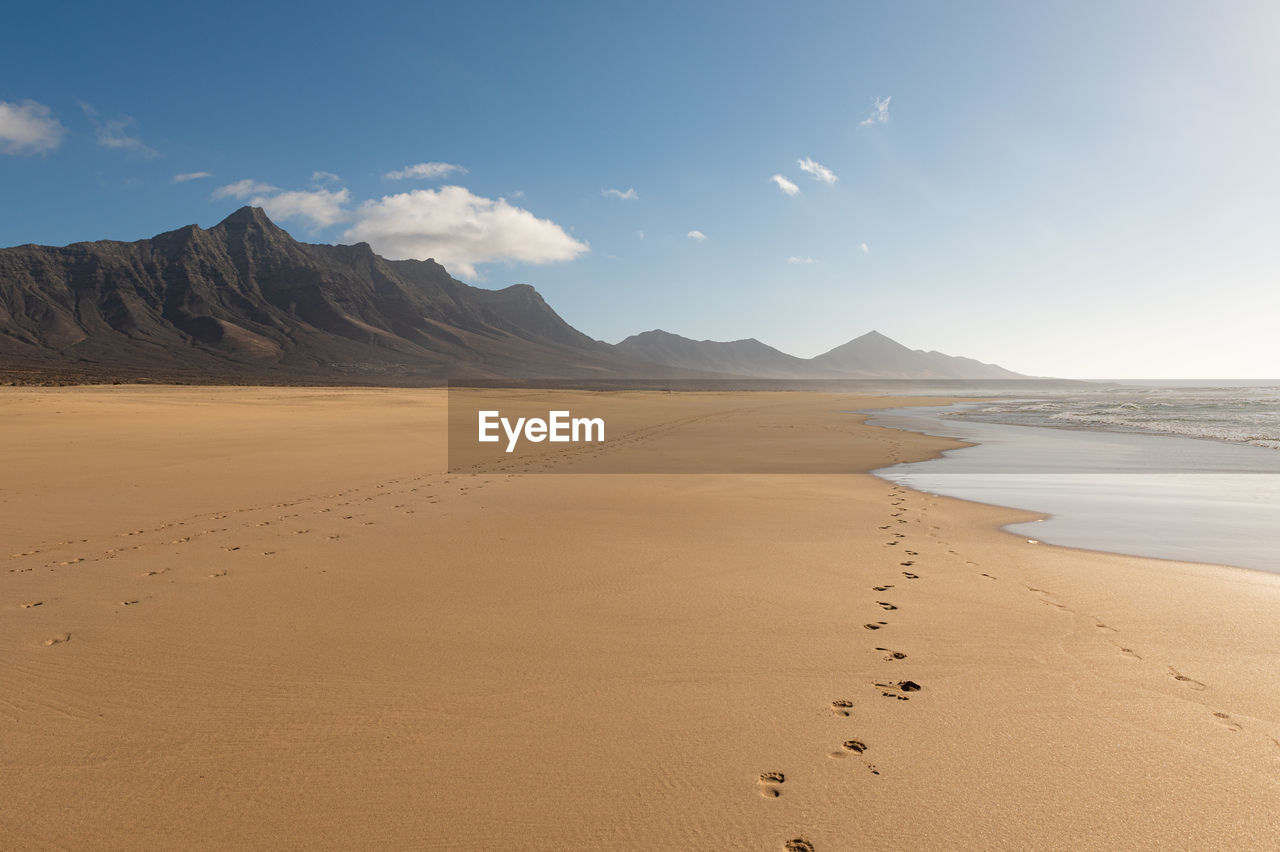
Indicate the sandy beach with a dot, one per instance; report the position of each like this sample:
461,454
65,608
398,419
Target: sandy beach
268,618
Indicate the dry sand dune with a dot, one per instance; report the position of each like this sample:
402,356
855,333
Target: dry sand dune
267,618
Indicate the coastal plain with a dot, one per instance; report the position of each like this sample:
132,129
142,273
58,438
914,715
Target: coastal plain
273,618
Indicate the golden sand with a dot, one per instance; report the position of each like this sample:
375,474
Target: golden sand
267,618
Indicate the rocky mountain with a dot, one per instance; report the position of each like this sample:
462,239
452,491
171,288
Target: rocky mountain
244,301
871,356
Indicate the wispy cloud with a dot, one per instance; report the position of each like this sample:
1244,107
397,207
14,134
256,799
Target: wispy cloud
325,177
819,171
629,195
426,171
639,235
118,133
183,178
879,115
28,127
787,187
459,230
800,260
866,249
697,236
243,189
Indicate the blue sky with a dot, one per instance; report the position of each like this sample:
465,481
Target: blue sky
1074,189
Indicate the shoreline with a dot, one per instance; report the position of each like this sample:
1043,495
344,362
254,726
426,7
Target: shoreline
364,651
1111,491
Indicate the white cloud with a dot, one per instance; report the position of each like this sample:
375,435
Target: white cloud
819,171
459,230
697,235
629,195
640,235
323,177
428,171
28,128
785,185
322,207
879,115
243,189
183,178
865,248
801,261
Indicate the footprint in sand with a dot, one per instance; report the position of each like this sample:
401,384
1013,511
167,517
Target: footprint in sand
1098,624
893,690
908,563
988,576
882,588
841,707
1130,653
57,640
155,573
912,553
32,604
893,655
885,605
875,625
798,844
217,574
768,784
855,746
1225,721
910,576
1189,681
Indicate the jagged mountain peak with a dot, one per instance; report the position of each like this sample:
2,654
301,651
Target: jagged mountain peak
244,298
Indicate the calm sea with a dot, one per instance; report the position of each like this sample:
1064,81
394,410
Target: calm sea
1177,472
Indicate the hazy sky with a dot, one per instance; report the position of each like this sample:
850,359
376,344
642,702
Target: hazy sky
1075,189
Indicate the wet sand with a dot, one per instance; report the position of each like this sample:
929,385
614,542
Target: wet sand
267,618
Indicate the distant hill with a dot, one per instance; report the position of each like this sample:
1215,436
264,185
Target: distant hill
243,301
871,356
739,357
874,355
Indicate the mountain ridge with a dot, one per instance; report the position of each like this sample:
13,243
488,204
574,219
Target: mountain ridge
869,356
245,301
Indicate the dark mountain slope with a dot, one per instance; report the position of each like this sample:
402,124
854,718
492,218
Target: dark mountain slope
244,298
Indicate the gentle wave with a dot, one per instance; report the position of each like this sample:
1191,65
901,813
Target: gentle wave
1242,415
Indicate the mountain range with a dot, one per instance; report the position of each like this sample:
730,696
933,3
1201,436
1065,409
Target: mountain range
243,301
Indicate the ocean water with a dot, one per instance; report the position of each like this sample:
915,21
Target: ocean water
1247,414
1118,472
